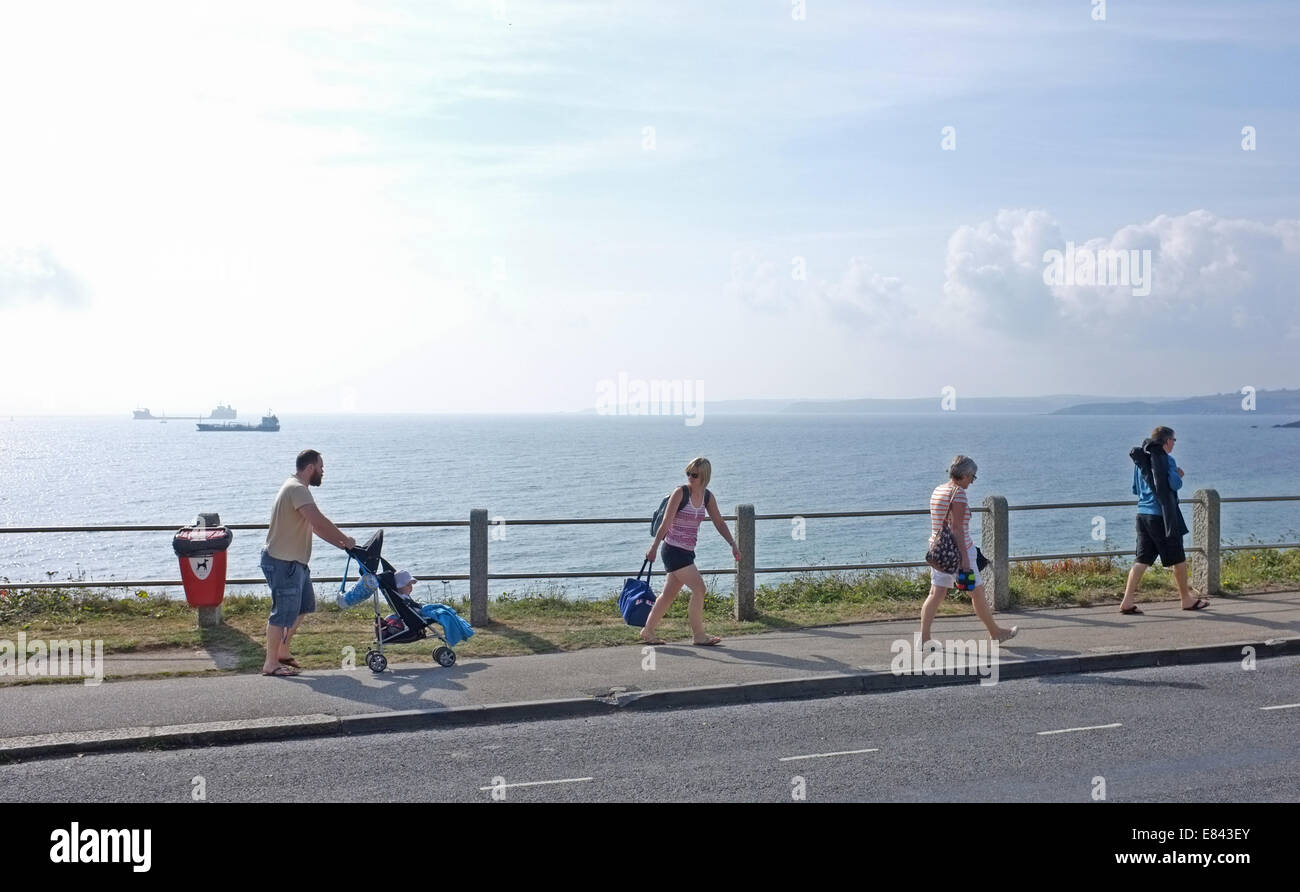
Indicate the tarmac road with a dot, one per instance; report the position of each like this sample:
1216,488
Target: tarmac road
1201,733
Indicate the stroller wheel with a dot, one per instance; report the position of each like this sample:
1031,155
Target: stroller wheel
445,656
376,661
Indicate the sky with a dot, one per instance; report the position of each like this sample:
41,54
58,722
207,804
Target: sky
503,206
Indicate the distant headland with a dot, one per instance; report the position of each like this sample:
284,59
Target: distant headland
1268,402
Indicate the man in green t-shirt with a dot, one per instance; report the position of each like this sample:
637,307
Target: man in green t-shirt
294,517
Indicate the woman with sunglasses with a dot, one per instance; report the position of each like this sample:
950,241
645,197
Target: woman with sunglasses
948,503
687,508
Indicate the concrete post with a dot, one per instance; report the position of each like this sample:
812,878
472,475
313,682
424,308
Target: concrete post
478,567
1205,534
209,617
744,533
995,543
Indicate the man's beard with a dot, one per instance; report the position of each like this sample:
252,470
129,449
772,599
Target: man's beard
315,479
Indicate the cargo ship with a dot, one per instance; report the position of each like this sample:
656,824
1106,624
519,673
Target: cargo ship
220,413
269,423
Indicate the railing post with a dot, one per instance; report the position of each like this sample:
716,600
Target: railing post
1205,535
744,533
478,566
994,542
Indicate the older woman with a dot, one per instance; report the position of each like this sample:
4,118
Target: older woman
948,503
687,508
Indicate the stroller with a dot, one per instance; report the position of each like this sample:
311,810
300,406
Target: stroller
407,624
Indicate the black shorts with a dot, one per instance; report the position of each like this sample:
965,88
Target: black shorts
675,558
1152,541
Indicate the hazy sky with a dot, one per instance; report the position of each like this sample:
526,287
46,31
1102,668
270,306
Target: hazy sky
496,206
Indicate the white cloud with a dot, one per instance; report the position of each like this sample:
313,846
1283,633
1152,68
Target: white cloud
1208,274
863,296
35,275
994,271
858,296
762,283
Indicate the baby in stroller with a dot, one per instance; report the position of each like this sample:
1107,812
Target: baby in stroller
404,586
410,621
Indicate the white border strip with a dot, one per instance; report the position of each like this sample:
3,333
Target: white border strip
1286,706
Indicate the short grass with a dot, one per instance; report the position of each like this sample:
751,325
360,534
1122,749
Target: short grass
544,621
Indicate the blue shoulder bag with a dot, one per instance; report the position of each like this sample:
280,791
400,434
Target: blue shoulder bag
637,598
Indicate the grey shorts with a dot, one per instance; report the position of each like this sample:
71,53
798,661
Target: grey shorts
291,590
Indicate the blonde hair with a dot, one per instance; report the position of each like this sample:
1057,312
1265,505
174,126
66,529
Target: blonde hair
702,467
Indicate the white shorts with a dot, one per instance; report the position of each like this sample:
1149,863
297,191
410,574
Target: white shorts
949,580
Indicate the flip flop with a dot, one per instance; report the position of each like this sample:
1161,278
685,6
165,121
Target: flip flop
1132,611
290,661
1008,635
1200,604
652,641
282,672
713,641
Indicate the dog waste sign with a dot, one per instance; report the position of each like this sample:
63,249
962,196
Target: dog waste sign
201,549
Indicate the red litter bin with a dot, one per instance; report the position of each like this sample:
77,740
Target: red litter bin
202,552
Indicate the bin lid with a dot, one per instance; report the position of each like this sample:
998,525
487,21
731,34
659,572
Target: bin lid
190,541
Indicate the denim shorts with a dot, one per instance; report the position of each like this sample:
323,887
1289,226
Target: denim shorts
291,590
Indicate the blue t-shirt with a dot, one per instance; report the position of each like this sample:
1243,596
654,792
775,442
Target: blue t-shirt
1147,503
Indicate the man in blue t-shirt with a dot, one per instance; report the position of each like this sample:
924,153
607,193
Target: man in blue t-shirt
1152,537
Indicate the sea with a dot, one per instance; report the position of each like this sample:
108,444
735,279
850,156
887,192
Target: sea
65,471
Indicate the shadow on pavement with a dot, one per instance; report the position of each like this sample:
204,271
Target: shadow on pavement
403,687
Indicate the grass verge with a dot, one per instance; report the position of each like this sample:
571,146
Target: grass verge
544,621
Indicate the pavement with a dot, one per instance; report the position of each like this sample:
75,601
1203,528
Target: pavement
43,720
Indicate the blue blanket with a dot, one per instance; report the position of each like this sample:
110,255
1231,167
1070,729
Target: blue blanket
454,629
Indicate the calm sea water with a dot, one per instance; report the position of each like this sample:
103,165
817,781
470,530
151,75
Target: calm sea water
73,471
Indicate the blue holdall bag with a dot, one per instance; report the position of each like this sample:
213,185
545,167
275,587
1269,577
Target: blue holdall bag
637,598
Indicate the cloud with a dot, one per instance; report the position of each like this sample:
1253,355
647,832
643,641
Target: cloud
862,295
762,284
1207,275
33,275
859,296
994,271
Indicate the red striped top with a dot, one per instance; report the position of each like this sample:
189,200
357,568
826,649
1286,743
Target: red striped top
944,494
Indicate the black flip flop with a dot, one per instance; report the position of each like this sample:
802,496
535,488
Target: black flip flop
1132,611
1200,604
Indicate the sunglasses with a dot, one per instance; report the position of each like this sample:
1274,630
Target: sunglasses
692,474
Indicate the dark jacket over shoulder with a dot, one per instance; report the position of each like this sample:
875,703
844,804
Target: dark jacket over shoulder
1151,454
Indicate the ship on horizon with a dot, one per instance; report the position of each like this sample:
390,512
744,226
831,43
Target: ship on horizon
269,423
220,413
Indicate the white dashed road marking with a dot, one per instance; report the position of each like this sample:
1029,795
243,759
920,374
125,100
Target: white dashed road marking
827,755
1089,728
567,780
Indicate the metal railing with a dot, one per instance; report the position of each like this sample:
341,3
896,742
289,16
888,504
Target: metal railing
1207,547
